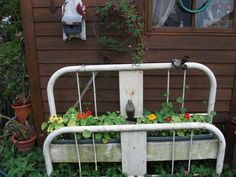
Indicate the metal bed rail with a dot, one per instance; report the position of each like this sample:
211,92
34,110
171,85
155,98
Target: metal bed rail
137,128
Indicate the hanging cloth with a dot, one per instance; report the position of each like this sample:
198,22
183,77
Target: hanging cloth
161,11
73,20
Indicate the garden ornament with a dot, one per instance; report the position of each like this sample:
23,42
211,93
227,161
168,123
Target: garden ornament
73,20
130,110
180,63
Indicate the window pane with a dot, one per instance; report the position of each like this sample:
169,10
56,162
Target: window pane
167,13
218,15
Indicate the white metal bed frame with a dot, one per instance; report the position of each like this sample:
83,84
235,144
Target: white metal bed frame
133,128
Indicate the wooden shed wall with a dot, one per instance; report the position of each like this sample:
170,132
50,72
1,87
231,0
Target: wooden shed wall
46,52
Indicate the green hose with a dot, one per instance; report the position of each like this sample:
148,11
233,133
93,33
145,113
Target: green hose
3,174
202,8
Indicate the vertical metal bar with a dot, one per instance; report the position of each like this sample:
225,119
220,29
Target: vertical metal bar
173,154
184,87
86,88
95,153
168,87
190,151
78,155
94,95
78,89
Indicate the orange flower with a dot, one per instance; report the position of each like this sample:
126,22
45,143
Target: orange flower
84,115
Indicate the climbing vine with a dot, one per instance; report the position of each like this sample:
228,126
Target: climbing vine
121,18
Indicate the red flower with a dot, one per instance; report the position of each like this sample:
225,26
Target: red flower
187,116
84,115
168,119
88,113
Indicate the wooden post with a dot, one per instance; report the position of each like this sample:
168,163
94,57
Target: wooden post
32,62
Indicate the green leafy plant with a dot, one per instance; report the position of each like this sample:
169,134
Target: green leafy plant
14,78
22,164
21,131
204,168
74,118
168,114
121,18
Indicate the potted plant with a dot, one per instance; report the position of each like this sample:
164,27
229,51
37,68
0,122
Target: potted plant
22,107
22,135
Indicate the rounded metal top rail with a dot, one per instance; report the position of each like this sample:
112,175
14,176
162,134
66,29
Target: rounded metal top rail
130,67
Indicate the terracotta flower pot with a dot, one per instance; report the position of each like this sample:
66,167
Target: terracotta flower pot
22,112
25,145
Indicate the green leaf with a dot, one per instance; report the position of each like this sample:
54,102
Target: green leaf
183,110
187,87
106,138
213,113
180,133
78,136
180,100
44,125
83,122
58,126
98,136
87,134
71,123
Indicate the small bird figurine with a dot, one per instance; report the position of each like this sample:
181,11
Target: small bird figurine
180,63
130,110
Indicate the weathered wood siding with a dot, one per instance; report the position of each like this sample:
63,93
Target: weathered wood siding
46,52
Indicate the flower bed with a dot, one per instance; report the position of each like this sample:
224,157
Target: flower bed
166,114
74,118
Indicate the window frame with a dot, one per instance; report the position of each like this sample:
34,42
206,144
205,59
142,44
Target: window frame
185,30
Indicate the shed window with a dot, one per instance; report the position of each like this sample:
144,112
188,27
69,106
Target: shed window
169,13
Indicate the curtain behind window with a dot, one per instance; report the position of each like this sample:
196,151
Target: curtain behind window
161,11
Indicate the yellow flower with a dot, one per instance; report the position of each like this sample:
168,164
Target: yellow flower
152,117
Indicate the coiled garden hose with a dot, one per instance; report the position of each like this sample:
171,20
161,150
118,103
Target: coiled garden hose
2,174
202,8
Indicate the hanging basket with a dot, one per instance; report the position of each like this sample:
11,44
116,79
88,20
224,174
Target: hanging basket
22,112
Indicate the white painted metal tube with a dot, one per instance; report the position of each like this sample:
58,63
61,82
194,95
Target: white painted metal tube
129,67
137,127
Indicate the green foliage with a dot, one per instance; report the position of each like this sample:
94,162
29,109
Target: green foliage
204,168
121,18
22,164
10,9
168,114
31,164
73,118
12,59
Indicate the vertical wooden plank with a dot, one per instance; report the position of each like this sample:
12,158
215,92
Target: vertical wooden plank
233,101
134,151
148,18
234,16
234,156
131,87
32,62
